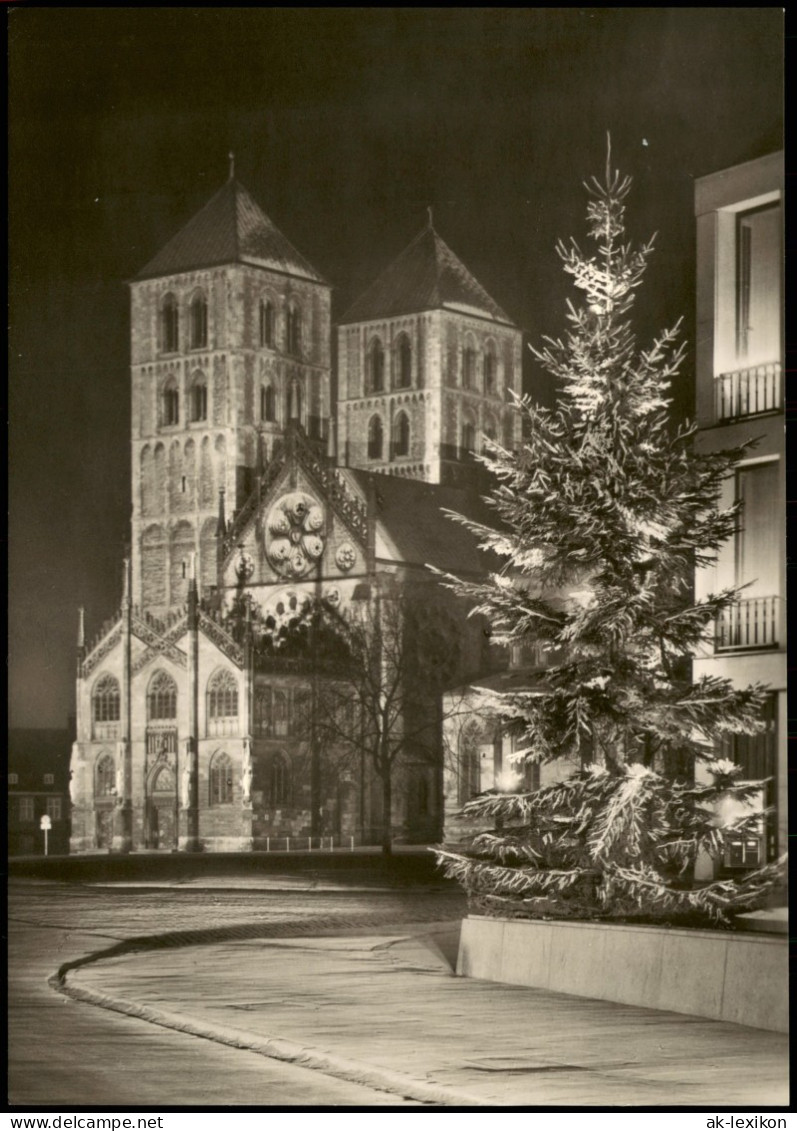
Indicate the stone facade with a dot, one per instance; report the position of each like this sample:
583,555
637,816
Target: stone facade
188,736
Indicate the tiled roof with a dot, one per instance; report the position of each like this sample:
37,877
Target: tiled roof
411,513
426,276
231,228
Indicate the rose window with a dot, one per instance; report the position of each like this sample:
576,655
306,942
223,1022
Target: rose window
295,534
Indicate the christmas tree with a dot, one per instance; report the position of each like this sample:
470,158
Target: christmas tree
602,517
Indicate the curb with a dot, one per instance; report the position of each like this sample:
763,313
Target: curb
276,1048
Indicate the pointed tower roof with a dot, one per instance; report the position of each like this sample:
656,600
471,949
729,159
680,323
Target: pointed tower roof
427,275
231,228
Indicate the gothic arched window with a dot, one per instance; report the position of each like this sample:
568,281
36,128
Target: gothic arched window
263,717
105,776
468,436
222,695
169,325
375,438
281,716
268,403
199,398
171,403
161,697
490,431
280,782
401,441
221,780
266,323
105,700
403,377
199,321
376,367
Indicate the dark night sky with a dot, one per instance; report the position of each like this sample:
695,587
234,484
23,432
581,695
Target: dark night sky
346,124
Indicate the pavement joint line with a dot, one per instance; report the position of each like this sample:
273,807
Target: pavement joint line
277,1048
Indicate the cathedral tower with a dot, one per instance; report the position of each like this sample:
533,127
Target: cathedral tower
427,365
230,341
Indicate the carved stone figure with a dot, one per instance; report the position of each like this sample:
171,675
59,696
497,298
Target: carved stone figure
246,774
186,784
295,534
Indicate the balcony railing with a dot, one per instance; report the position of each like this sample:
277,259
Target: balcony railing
748,624
748,392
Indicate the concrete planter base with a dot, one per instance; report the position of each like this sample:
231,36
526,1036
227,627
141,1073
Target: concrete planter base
726,976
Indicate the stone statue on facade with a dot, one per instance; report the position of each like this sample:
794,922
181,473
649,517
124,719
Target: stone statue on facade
246,774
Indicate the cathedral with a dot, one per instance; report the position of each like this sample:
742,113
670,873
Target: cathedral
276,458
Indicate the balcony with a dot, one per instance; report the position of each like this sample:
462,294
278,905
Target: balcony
748,392
748,625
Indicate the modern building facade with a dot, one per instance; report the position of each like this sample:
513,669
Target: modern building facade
190,733
739,398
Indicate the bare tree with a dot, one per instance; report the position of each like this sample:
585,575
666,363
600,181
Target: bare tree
403,648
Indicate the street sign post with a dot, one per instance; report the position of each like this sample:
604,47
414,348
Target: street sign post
46,824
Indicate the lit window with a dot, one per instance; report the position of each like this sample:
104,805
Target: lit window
375,438
222,696
49,779
221,780
758,284
266,324
105,700
169,325
199,322
26,809
13,779
54,808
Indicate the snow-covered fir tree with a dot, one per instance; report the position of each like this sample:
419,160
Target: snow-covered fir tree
601,519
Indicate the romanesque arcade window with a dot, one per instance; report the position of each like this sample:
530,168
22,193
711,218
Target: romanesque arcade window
375,438
403,376
169,325
171,403
268,404
199,398
401,441
376,367
199,322
294,330
220,780
489,370
266,324
469,365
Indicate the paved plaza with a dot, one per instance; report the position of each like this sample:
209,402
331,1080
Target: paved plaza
310,992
